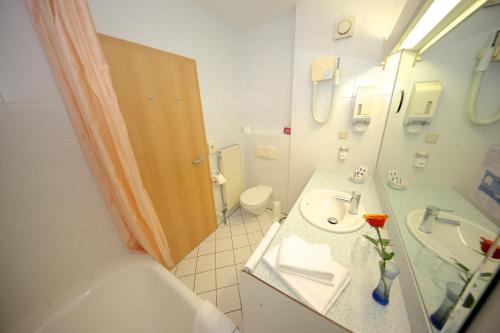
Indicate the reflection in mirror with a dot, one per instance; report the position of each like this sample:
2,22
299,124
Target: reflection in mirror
440,166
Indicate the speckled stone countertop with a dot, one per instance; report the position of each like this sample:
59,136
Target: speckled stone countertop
431,272
354,309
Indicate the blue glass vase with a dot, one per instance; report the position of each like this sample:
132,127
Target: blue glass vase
440,316
387,276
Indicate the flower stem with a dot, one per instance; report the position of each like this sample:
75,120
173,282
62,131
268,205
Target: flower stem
382,267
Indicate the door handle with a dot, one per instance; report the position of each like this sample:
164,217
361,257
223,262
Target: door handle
198,161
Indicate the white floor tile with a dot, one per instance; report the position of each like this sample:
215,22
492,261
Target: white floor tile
265,225
239,268
188,281
205,263
252,227
223,244
242,254
253,247
263,218
237,212
228,299
238,229
255,237
186,267
249,218
226,276
192,254
240,241
222,232
211,237
235,220
209,296
245,213
225,258
237,318
204,282
207,247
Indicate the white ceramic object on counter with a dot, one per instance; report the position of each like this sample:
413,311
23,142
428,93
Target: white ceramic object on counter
359,175
395,181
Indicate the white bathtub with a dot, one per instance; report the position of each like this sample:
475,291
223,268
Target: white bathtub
135,295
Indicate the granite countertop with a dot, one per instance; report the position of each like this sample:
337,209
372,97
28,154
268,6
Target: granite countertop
354,309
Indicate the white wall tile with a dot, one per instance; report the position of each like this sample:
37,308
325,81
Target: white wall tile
267,62
316,146
51,235
27,82
18,38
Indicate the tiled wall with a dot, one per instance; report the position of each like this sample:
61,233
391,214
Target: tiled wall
267,59
316,146
182,27
455,159
54,227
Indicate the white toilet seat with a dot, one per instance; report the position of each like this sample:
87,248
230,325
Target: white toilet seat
255,199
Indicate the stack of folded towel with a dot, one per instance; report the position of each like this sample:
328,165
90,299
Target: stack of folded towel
308,269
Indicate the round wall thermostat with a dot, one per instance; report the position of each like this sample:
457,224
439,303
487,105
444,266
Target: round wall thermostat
344,27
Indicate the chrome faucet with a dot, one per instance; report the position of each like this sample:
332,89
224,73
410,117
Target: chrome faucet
352,199
430,215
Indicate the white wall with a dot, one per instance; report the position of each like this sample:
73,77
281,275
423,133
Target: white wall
455,159
54,227
184,28
267,60
316,146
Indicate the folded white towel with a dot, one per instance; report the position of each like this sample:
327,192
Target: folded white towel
209,319
297,256
318,296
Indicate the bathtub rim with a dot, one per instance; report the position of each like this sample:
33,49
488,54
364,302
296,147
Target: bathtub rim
39,319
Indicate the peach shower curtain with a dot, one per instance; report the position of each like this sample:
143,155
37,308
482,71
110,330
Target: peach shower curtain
68,35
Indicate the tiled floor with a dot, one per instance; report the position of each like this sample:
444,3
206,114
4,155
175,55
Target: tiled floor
211,269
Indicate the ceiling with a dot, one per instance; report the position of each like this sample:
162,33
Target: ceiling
247,14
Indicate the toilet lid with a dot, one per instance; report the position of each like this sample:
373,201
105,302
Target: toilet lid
256,195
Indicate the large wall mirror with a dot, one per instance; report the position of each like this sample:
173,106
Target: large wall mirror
439,166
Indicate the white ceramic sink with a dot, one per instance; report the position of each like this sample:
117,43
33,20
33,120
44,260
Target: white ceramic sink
320,205
451,242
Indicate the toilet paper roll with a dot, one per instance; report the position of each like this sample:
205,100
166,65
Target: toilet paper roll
220,179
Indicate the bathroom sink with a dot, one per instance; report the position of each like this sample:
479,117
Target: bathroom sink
449,241
320,206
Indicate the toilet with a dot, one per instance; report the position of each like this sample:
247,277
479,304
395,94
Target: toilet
255,200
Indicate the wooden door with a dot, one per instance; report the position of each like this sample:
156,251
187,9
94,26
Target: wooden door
159,98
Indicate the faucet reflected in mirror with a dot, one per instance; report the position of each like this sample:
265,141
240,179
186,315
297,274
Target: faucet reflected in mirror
430,216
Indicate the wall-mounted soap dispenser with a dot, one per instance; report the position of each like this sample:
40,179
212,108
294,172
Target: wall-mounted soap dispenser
422,105
365,101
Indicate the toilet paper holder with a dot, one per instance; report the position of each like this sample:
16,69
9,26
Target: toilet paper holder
422,105
363,106
217,177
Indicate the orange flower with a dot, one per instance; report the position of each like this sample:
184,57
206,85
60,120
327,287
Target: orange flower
376,220
485,246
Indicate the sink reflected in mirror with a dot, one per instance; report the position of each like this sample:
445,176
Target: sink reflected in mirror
324,209
451,242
